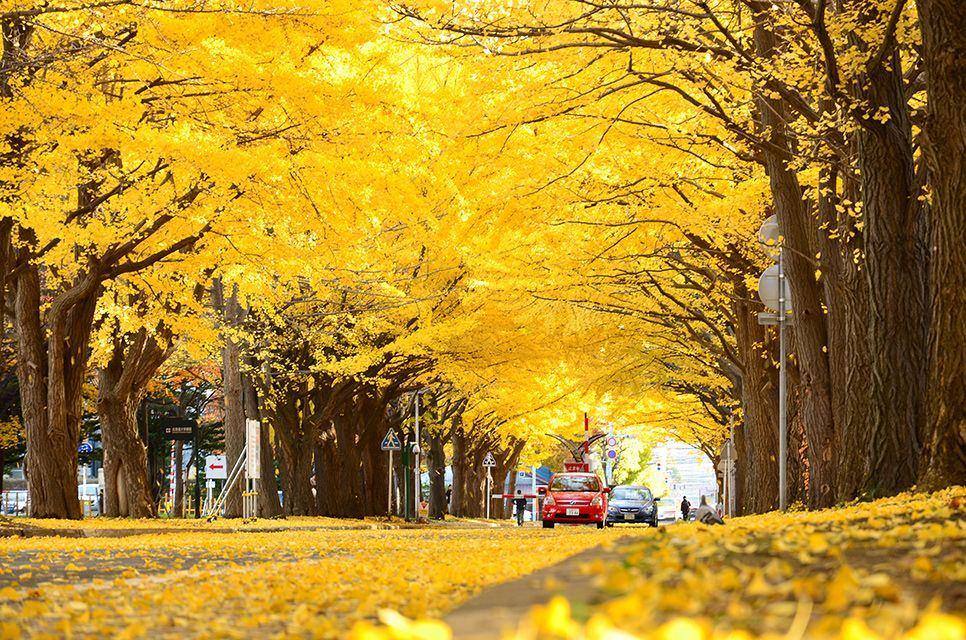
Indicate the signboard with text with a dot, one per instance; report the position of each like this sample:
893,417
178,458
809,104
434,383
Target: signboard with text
253,468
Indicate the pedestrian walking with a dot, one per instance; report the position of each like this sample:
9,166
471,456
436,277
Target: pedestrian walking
705,514
685,508
520,503
449,495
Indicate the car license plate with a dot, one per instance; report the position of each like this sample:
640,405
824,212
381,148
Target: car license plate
573,512
628,516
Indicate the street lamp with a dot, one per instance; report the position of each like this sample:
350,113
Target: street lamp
416,452
775,293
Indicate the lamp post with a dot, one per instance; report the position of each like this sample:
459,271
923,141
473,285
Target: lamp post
775,293
418,480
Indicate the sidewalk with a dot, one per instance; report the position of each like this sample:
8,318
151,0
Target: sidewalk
500,609
9,527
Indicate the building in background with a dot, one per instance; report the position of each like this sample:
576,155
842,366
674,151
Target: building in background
681,470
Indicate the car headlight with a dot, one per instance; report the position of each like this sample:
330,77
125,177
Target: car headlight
596,502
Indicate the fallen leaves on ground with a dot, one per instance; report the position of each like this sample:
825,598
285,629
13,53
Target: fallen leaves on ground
290,584
882,570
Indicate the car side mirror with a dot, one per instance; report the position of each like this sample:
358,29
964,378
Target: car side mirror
655,499
606,489
542,491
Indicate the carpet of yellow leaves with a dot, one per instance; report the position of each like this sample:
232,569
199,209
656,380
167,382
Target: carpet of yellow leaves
294,584
892,568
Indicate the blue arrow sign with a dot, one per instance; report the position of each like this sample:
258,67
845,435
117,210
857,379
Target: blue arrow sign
391,441
85,447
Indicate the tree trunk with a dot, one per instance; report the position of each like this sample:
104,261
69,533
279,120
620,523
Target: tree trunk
943,25
758,445
436,461
268,502
177,508
121,385
50,367
894,266
127,492
296,439
234,422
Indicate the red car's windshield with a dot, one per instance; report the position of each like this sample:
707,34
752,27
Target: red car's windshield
575,483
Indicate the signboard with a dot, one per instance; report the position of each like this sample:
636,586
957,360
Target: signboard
178,429
391,441
85,447
489,460
216,467
253,440
572,466
612,454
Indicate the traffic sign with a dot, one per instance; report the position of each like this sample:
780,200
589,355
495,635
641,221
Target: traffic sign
611,453
216,467
85,447
489,460
391,441
611,441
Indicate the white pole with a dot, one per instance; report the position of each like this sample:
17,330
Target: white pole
486,499
389,507
782,418
419,497
533,490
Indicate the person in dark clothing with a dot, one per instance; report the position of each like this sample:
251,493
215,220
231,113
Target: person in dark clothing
449,496
685,508
520,503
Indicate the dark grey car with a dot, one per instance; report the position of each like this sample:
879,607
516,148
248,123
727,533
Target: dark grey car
631,504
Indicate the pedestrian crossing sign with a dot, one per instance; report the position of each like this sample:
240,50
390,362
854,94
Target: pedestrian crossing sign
489,460
391,441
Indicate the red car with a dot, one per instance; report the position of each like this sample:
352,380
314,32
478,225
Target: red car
574,498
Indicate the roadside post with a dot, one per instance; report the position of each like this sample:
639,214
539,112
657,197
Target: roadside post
186,431
253,468
390,443
775,293
534,515
406,452
726,465
489,462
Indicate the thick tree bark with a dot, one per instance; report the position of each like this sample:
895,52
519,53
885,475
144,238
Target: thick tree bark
268,502
121,386
943,25
895,268
758,444
52,359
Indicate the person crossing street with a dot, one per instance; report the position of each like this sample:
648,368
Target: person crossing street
520,504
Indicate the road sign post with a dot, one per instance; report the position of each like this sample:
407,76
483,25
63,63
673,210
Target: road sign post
406,452
390,443
253,467
489,462
775,293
